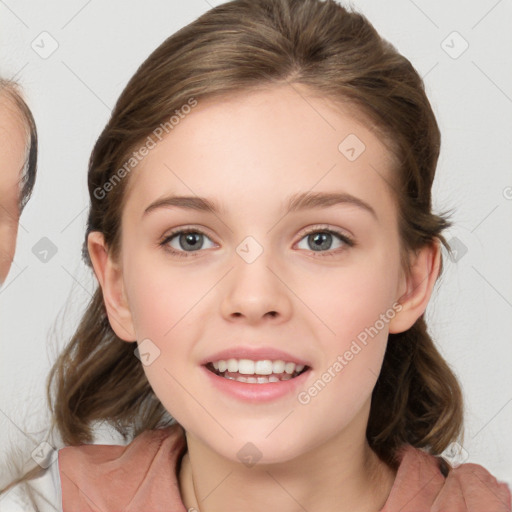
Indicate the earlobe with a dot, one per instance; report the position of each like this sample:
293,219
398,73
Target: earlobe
420,282
110,278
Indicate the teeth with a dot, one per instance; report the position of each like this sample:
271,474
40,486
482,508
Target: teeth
257,372
245,366
289,368
258,380
278,366
233,366
263,367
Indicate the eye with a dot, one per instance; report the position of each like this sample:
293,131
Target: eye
185,242
321,240
181,242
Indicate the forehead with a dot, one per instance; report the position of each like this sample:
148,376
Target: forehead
261,144
10,115
13,140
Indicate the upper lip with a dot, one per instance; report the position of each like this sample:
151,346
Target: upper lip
255,354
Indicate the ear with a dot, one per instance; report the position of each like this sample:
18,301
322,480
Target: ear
425,267
110,277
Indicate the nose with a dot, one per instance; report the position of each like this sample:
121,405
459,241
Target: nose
255,291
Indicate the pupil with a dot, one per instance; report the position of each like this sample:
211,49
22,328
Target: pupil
319,240
190,240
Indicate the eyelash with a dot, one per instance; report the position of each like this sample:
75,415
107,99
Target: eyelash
188,254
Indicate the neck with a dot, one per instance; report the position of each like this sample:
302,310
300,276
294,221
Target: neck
341,475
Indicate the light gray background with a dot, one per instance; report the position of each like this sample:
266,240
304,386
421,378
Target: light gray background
71,92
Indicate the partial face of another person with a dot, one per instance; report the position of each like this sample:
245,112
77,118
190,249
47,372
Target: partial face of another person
13,140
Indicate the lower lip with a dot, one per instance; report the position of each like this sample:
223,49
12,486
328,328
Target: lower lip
256,392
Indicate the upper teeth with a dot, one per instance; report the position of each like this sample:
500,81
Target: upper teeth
250,367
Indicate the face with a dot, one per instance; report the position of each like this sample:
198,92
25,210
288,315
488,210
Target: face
318,282
12,149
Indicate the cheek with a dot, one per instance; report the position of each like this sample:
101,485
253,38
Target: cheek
8,232
162,312
159,293
164,302
355,306
352,298
350,356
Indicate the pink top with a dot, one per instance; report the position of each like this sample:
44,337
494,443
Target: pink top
142,476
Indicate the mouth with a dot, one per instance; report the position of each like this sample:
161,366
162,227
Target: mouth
256,372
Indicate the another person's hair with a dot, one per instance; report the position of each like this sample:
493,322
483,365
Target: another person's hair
240,46
12,92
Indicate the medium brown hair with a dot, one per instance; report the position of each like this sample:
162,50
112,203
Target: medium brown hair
238,46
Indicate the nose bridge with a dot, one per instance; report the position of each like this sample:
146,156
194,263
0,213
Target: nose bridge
254,290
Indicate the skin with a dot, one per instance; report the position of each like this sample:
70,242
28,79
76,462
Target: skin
13,141
249,153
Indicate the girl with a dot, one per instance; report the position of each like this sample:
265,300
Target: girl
18,146
262,233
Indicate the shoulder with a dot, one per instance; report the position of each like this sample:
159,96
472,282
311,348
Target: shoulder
41,494
144,447
424,480
121,477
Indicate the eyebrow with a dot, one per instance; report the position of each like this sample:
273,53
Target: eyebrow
296,202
